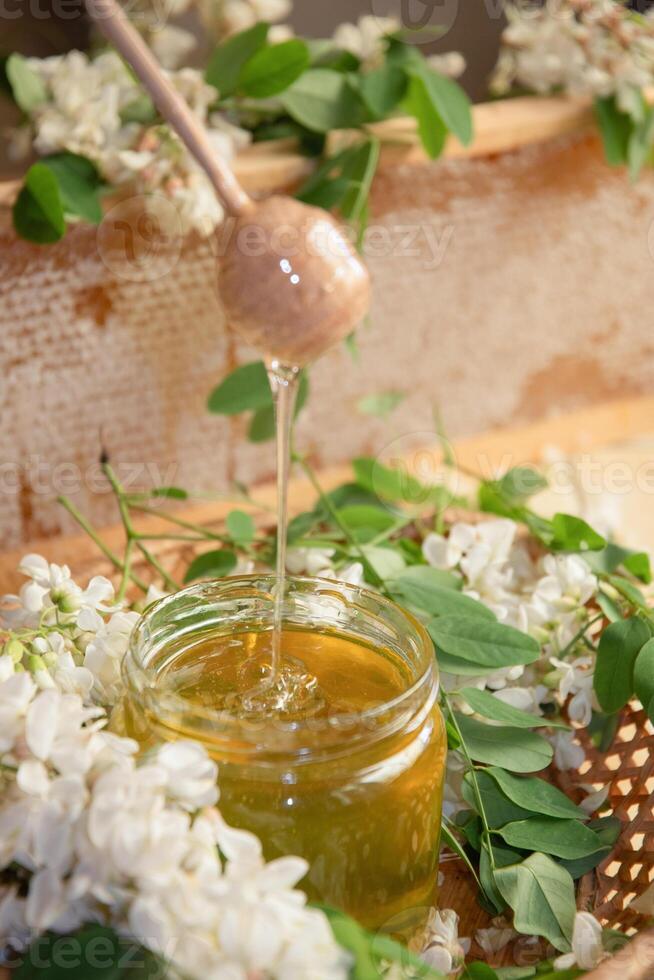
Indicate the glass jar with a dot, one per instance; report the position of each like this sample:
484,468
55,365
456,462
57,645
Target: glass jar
356,792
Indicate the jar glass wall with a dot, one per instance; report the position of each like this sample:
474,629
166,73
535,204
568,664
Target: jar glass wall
352,780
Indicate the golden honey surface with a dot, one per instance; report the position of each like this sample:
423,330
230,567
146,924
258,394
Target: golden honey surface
364,811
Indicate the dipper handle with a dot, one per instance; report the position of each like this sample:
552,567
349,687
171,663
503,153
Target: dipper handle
115,26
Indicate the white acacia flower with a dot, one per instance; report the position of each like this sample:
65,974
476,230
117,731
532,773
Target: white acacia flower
171,45
568,582
89,111
192,776
224,17
595,799
494,939
100,834
594,48
309,561
452,64
351,573
568,754
587,949
105,652
576,684
366,38
441,947
440,551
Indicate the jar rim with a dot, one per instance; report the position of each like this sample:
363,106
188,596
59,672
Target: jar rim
139,677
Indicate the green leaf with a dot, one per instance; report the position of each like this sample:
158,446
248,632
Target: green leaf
38,211
369,950
491,899
325,55
366,522
417,584
520,483
619,645
360,172
578,867
381,405
448,100
245,389
486,645
383,89
561,838
542,896
449,840
536,796
479,971
615,127
394,484
432,129
212,564
644,676
79,185
641,143
486,704
273,69
240,527
262,425
93,953
602,730
498,808
417,587
638,563
385,562
511,748
322,100
573,534
229,58
27,88
609,560
630,592
609,606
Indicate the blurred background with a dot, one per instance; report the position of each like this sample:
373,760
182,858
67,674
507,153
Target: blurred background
523,292
46,27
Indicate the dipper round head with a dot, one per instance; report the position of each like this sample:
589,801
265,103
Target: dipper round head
291,283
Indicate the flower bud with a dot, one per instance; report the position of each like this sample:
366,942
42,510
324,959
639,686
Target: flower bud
15,649
34,663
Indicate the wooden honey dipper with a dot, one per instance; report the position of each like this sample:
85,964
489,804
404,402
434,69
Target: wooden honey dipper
290,282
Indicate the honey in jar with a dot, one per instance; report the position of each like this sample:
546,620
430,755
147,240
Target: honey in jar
340,760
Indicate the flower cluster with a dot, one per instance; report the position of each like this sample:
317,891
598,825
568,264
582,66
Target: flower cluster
225,17
102,836
95,108
547,597
582,47
68,638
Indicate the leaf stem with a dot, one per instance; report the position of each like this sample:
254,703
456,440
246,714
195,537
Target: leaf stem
475,785
335,516
79,518
180,522
132,536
